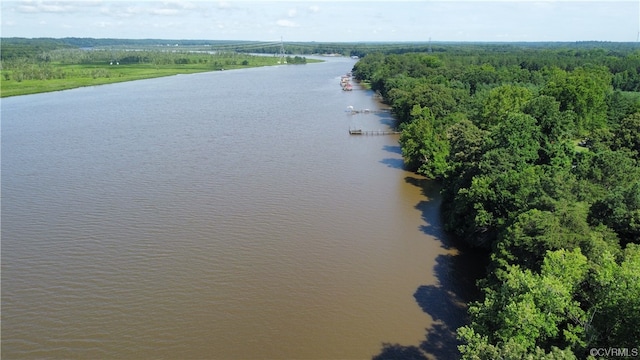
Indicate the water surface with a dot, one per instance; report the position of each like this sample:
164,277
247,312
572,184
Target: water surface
224,215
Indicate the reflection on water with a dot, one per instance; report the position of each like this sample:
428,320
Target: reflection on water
221,215
445,300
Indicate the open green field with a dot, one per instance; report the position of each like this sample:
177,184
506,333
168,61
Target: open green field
37,78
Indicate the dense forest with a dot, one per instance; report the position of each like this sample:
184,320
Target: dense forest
26,47
32,48
538,152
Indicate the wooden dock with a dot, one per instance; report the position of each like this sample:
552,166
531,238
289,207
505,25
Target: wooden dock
366,111
373,132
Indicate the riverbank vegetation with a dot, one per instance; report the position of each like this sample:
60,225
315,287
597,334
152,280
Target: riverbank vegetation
538,152
41,65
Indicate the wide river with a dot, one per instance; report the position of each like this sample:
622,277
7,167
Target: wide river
223,215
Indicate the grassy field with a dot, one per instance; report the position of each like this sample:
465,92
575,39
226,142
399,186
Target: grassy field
69,76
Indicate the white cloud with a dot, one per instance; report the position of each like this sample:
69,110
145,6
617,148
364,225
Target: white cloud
185,5
325,20
104,24
165,12
46,8
286,23
168,25
121,11
40,6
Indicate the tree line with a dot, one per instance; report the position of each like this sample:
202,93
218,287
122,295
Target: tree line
41,64
53,64
537,150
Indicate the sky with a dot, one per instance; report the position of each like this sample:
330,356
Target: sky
326,21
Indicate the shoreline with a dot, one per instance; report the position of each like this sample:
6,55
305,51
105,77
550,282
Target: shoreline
121,73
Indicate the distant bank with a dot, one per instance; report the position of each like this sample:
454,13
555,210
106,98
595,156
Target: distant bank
73,68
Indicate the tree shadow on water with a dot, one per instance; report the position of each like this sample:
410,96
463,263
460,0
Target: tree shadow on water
396,149
396,163
445,301
393,163
399,352
387,119
430,209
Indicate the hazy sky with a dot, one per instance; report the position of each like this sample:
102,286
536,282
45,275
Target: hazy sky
309,20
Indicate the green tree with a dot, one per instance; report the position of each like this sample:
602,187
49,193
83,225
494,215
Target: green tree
534,232
502,101
615,293
627,133
488,194
492,201
404,93
621,105
583,91
476,75
554,124
529,311
519,134
466,141
619,210
424,149
607,168
526,241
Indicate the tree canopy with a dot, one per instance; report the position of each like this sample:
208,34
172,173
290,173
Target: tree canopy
538,152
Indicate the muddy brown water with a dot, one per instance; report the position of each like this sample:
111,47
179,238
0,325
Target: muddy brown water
224,215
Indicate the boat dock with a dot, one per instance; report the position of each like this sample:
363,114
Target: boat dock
345,82
352,111
366,111
373,132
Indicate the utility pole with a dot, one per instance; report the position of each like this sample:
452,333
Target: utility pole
282,59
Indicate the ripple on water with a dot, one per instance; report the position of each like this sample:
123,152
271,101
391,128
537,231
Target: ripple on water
225,215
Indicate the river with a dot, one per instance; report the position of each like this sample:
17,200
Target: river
222,215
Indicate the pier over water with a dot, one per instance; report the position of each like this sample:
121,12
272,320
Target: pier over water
373,132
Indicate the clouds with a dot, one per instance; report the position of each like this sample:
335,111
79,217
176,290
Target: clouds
292,13
165,8
289,23
324,20
165,12
60,7
286,23
35,8
106,8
